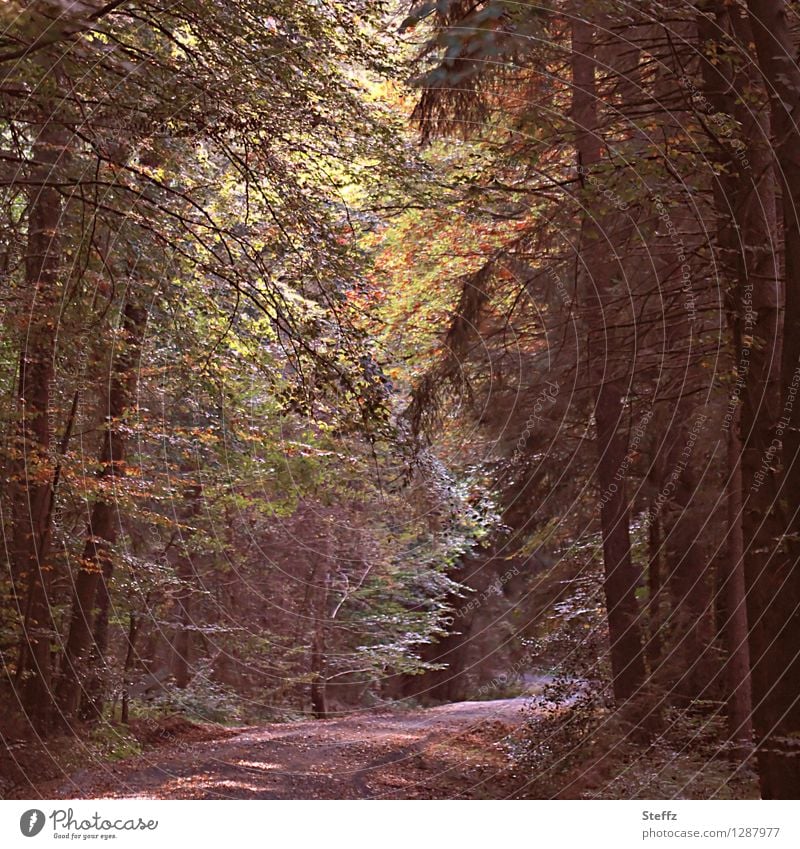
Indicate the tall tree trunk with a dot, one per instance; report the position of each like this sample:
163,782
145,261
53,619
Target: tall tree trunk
185,571
772,578
746,199
621,575
732,586
319,705
319,702
34,479
96,564
134,624
182,643
690,591
93,694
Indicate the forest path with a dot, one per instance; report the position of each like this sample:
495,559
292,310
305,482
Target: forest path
451,751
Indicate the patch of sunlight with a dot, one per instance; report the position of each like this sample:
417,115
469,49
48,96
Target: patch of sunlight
262,765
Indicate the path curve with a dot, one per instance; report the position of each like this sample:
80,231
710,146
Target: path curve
449,751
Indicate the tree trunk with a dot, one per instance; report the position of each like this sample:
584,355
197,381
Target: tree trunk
319,703
771,575
96,564
185,572
182,644
134,622
93,696
732,586
745,201
33,513
621,576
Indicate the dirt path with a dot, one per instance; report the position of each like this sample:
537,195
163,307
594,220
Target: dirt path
444,752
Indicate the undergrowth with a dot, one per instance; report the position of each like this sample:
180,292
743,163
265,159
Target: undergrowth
577,745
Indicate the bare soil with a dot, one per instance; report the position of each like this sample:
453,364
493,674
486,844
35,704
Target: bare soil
452,751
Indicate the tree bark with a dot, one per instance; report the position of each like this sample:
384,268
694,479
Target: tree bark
134,623
96,564
691,594
735,627
34,478
621,577
185,572
318,660
771,436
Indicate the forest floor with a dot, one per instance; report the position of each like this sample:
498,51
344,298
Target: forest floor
451,751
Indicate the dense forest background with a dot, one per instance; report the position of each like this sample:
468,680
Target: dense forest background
364,353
